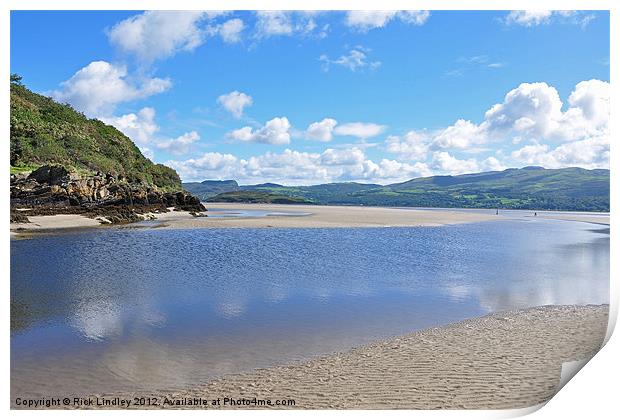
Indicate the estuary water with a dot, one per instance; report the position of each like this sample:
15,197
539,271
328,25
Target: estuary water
120,310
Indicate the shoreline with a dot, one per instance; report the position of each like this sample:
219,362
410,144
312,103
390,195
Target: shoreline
315,216
503,360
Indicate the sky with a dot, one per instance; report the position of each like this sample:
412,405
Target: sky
302,98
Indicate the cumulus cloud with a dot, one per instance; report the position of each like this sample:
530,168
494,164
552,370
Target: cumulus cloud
492,164
411,146
208,166
589,153
364,20
461,135
275,131
140,127
444,162
234,102
334,157
535,110
532,113
179,145
356,59
97,88
159,34
298,168
321,130
359,129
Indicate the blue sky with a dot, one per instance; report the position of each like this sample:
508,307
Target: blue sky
301,98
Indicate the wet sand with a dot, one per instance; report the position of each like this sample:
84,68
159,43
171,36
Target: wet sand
501,361
506,360
596,219
324,217
50,224
314,217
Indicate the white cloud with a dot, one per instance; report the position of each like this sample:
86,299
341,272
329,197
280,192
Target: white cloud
335,157
286,23
446,163
208,166
492,164
592,98
534,110
462,135
365,20
140,127
97,88
269,23
530,153
589,153
414,17
532,113
275,131
230,31
234,102
359,129
159,34
299,168
355,60
321,130
179,145
412,146
528,17
531,18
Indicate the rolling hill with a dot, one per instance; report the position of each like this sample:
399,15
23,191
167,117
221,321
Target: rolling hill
525,188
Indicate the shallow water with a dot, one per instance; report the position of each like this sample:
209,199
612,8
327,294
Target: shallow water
123,310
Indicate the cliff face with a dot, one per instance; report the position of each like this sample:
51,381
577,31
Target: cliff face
55,190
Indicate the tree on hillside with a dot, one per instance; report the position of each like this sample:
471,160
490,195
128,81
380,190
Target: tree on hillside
16,79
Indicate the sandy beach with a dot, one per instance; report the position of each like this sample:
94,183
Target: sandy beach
500,361
505,360
304,216
596,219
310,217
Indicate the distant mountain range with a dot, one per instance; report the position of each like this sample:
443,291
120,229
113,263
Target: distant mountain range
532,187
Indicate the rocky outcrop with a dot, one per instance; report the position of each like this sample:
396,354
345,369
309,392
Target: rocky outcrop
52,189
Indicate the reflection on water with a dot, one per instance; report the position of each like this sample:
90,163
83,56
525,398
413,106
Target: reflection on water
118,310
215,212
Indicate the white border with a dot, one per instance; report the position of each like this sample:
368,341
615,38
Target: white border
592,394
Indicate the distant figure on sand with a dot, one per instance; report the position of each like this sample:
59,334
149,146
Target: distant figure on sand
496,211
535,214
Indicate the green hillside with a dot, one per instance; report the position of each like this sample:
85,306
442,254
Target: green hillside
45,132
207,189
525,188
256,197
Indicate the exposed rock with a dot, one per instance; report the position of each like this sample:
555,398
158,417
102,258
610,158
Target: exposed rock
52,189
50,174
18,217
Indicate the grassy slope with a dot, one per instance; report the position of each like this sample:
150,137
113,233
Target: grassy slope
46,132
256,197
526,188
207,189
